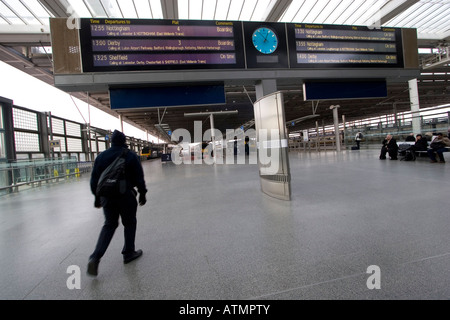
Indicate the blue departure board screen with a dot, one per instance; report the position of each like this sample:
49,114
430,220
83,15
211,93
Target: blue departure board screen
135,44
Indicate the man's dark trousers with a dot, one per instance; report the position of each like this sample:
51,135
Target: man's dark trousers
126,208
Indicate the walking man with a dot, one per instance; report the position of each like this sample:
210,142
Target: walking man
124,206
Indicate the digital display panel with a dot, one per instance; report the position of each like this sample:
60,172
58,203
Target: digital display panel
331,46
139,44
134,44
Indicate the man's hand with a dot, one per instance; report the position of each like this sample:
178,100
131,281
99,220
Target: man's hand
97,202
142,199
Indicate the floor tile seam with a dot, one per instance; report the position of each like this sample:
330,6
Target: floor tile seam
48,274
271,294
340,278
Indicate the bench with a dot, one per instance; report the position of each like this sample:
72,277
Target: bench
418,153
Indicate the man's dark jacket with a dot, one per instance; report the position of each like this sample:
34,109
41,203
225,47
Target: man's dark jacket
133,169
391,145
421,145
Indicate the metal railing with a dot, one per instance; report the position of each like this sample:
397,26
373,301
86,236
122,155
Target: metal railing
32,173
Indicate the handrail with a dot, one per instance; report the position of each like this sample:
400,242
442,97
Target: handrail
13,176
21,162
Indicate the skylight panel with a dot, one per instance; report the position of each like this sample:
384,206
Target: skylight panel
326,11
209,9
9,15
112,8
369,14
79,8
21,11
96,8
235,9
195,9
247,10
183,9
156,7
317,10
143,9
398,21
337,11
262,10
417,16
305,10
222,9
128,9
38,10
349,12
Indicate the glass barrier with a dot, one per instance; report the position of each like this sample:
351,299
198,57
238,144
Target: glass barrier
21,173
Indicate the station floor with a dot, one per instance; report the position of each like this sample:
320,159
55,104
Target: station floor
208,232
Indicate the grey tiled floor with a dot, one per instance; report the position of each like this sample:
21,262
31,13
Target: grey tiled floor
208,232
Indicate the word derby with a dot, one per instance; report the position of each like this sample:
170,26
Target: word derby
252,309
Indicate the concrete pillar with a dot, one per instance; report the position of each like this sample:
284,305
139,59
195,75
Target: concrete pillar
336,127
344,133
213,137
415,106
265,87
121,123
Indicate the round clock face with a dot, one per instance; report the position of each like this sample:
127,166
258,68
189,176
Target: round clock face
265,40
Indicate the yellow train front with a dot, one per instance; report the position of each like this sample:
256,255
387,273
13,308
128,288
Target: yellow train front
151,152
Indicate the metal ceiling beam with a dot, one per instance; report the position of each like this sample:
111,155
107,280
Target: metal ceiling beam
57,7
394,10
277,10
25,39
170,9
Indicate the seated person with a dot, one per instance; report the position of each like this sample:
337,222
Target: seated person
421,144
409,152
389,146
410,137
438,145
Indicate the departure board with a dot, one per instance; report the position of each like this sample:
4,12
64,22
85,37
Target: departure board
134,44
331,46
140,44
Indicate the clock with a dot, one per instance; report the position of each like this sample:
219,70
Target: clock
265,40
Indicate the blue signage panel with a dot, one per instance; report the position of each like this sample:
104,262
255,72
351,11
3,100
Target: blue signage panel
130,98
344,90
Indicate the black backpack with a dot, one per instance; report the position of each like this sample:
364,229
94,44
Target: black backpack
112,182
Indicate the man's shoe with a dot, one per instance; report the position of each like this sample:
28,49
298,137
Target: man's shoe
92,268
133,256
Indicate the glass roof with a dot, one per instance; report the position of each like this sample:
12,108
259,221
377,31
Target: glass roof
27,12
245,10
430,17
137,9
